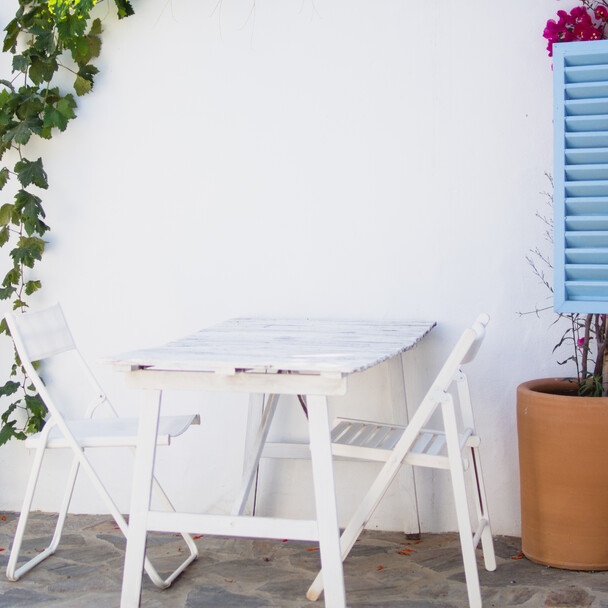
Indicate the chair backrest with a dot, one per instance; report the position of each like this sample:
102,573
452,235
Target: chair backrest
465,351
41,335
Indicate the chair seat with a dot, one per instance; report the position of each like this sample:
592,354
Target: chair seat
112,432
365,440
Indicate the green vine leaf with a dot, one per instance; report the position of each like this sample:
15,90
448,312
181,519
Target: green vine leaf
4,175
82,86
8,432
22,131
31,287
124,8
59,114
42,33
4,236
42,70
9,388
31,172
6,213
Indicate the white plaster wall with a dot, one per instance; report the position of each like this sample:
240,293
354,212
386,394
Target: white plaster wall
358,158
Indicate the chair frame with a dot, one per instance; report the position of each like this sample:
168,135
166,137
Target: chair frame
63,342
437,398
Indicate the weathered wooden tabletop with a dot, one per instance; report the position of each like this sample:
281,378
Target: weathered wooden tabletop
288,345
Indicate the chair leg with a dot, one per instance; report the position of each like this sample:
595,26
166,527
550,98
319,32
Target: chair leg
485,531
12,572
368,505
461,503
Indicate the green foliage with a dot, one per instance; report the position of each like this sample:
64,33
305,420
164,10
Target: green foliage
44,37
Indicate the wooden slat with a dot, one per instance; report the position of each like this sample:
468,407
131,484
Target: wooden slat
288,345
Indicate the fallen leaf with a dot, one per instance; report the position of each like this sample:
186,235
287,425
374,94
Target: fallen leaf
380,568
519,555
3,518
313,549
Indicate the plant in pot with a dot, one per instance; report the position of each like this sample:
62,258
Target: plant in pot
563,422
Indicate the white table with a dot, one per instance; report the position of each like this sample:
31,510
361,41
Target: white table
257,356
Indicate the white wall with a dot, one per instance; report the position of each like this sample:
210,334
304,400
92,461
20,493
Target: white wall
358,158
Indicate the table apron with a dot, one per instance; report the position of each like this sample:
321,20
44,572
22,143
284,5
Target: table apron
241,382
233,525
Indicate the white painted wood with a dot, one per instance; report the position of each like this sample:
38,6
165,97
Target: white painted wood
311,345
253,458
241,382
325,501
255,411
311,358
45,334
234,525
407,476
436,398
140,499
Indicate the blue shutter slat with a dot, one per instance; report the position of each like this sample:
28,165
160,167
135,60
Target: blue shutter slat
585,107
587,272
586,73
585,256
588,223
589,139
586,90
588,291
586,172
580,71
587,156
576,124
587,206
584,189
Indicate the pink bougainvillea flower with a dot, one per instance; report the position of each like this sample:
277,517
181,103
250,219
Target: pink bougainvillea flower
601,13
580,342
580,15
591,33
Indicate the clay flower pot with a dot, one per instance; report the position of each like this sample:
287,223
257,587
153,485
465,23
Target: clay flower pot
563,458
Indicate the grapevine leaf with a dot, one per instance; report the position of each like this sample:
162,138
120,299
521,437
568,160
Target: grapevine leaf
59,115
42,70
7,83
31,172
6,292
36,406
9,388
4,236
12,32
96,28
6,213
4,175
32,286
82,86
124,8
8,431
71,26
20,63
22,131
12,277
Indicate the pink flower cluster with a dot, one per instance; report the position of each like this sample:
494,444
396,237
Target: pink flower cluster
586,22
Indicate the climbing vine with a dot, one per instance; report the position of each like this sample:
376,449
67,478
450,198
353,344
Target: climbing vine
45,37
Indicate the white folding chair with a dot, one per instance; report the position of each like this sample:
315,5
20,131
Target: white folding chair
43,335
413,444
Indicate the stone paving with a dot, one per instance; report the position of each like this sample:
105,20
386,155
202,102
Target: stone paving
384,570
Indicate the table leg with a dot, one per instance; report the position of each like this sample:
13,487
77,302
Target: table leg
253,453
406,476
140,499
325,501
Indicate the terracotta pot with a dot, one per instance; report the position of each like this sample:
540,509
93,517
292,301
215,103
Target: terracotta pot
563,459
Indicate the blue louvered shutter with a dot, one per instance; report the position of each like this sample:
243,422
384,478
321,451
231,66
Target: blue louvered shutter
581,176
